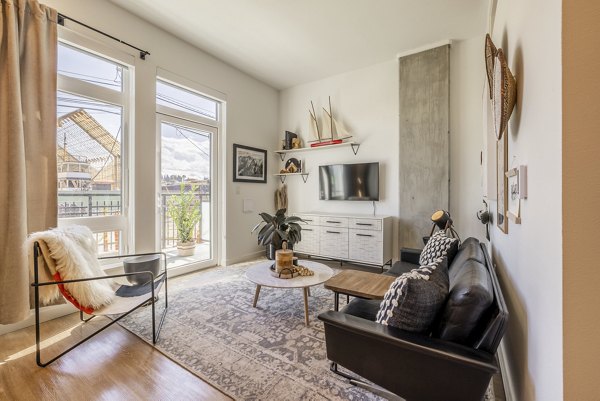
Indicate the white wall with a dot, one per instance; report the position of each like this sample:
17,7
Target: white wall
529,258
467,74
365,101
251,116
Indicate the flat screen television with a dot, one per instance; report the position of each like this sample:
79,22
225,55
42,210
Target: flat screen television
349,182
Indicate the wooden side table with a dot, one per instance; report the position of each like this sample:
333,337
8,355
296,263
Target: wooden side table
358,284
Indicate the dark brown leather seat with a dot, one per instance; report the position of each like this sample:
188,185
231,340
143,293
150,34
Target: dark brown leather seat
455,361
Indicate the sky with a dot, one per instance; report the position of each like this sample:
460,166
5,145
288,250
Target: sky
183,151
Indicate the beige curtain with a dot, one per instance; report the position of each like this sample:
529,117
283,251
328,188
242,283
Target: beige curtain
28,47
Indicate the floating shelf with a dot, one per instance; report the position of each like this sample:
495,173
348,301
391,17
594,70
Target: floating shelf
283,176
353,145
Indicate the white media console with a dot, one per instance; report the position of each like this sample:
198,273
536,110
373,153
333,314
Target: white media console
354,238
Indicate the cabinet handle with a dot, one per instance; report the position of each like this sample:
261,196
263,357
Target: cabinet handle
306,219
331,221
364,235
333,232
364,224
307,229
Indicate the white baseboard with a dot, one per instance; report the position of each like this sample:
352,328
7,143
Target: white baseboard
244,258
507,377
46,313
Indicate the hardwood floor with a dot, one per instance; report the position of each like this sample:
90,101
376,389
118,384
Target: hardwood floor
115,365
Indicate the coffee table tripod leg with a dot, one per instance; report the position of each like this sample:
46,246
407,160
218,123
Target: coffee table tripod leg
256,295
306,305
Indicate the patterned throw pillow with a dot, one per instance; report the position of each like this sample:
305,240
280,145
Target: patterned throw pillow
438,246
415,298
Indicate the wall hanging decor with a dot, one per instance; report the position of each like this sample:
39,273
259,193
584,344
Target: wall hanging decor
490,57
504,94
249,164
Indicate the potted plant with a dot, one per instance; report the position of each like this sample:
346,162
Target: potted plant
184,210
276,229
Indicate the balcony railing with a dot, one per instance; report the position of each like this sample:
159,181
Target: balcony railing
108,203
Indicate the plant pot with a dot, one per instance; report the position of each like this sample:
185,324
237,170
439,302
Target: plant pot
186,248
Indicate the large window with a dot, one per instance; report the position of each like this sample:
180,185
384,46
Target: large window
91,148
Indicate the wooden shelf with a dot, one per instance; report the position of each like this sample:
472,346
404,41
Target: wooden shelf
353,145
283,176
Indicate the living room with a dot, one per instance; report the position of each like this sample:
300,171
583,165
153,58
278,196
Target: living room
266,68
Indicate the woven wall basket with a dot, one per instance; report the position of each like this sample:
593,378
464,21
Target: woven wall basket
490,56
504,94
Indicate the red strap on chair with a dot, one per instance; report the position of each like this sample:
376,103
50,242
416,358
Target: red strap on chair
61,287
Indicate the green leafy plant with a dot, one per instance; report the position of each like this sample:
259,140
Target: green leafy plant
278,228
184,210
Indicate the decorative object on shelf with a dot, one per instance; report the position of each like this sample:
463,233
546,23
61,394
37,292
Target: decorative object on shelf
336,134
184,209
289,137
296,143
249,164
504,94
502,182
281,197
293,165
276,229
490,57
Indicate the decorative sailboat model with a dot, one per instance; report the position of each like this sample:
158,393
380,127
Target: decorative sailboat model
337,134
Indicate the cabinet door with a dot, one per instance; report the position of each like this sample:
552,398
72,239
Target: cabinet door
334,242
310,240
366,246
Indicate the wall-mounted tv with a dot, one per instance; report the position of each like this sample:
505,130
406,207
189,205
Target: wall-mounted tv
349,182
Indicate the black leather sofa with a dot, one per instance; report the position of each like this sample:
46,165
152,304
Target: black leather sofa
453,362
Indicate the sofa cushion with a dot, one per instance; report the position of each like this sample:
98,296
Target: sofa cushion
470,249
415,298
438,246
363,308
470,295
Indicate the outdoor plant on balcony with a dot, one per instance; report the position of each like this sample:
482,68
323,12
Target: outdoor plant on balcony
184,210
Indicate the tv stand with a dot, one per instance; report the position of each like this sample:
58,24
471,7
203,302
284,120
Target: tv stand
361,239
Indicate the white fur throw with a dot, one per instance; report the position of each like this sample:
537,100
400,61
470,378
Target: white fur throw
72,253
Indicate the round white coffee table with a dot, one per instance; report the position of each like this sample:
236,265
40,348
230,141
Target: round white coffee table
260,274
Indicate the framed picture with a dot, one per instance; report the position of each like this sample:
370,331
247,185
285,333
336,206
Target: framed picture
249,164
502,182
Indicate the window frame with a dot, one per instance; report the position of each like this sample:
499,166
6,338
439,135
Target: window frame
122,99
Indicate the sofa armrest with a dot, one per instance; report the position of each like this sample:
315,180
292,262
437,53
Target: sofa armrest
410,255
399,361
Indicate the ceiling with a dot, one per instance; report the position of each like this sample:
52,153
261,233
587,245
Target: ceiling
288,42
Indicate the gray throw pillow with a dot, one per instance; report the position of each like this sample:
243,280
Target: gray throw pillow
438,246
415,298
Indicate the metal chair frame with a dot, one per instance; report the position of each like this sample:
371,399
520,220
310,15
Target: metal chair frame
36,285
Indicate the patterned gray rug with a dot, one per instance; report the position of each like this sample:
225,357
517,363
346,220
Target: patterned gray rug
263,353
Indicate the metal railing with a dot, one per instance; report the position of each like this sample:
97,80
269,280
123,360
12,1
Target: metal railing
108,203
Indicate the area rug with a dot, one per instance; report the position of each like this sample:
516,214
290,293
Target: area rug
262,353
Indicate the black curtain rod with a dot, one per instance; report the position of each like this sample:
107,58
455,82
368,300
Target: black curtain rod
61,21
